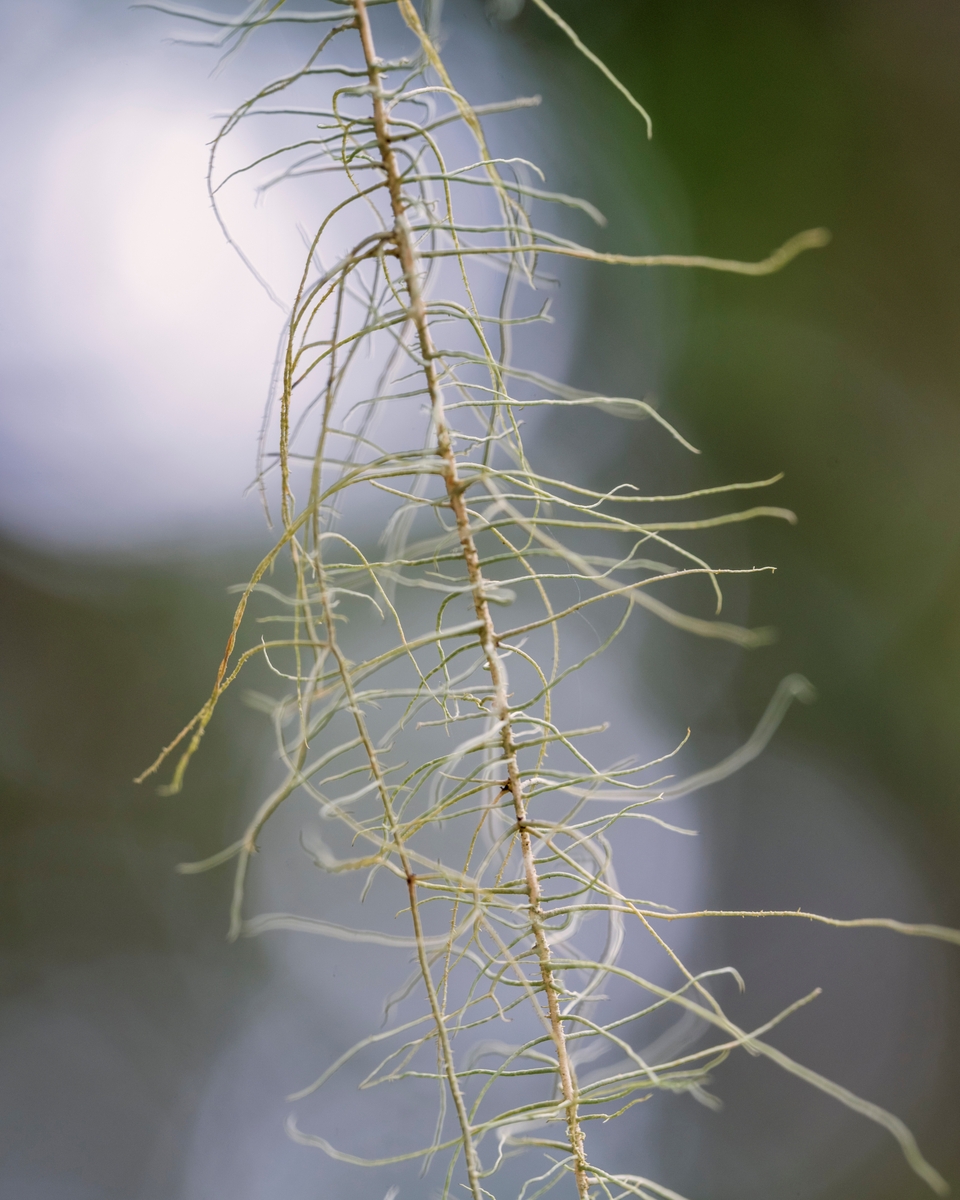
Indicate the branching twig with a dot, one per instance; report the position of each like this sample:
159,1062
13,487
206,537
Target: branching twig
398,718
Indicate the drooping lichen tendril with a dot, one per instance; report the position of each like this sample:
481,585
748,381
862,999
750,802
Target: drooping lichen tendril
424,728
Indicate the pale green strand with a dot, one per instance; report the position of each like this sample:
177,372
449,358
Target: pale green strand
597,62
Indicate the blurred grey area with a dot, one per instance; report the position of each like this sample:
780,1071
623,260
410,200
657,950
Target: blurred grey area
141,1057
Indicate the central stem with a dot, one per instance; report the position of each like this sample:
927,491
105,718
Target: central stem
488,637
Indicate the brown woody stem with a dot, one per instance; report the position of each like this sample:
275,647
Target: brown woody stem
488,636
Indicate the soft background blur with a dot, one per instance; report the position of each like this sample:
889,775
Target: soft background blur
143,1057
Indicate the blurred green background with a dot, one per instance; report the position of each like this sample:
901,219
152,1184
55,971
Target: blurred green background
843,372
